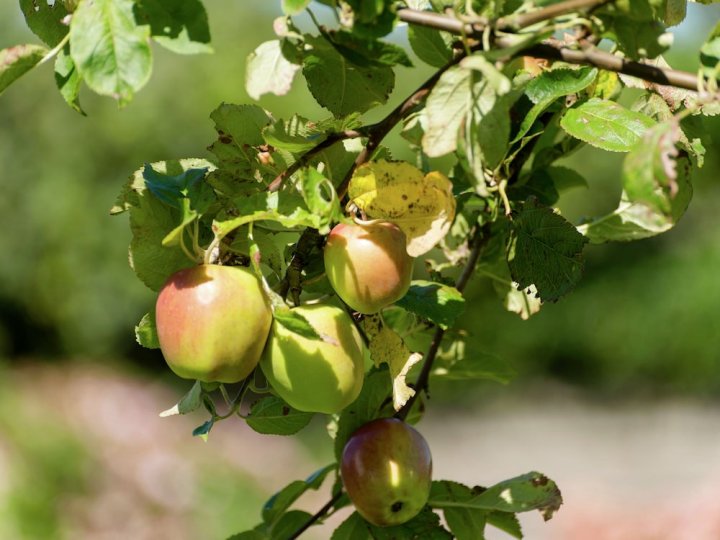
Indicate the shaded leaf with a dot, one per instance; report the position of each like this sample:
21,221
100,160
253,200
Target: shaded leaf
430,45
341,86
353,528
376,389
146,332
67,79
45,20
546,251
181,27
436,302
276,505
272,416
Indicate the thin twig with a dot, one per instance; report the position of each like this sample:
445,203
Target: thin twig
317,515
524,20
588,56
480,239
304,160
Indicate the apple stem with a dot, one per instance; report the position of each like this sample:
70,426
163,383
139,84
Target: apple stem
183,246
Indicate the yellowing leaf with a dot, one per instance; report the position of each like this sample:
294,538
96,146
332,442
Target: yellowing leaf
422,206
386,346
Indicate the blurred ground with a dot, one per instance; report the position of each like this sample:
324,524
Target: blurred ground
83,455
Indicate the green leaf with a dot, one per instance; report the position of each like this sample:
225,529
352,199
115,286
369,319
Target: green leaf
278,504
507,522
367,53
240,167
606,124
293,7
484,137
546,184
181,27
436,302
45,20
710,53
293,321
549,86
203,430
546,251
341,86
375,392
353,528
285,207
292,135
445,111
321,199
112,53
190,402
657,190
267,71
531,491
465,523
151,221
430,45
425,525
370,19
640,39
249,535
478,365
146,332
173,190
67,79
272,416
18,60
288,524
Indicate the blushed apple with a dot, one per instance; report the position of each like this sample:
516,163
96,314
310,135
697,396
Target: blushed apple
368,265
212,322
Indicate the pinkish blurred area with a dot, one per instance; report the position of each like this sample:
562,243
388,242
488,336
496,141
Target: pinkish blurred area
84,455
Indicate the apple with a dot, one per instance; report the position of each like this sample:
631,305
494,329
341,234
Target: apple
386,468
212,322
368,265
315,375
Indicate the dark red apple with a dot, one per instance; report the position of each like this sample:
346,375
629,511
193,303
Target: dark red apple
386,469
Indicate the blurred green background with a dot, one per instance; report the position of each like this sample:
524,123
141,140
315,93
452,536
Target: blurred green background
642,324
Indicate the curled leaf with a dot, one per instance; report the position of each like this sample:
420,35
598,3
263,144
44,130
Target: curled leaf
422,206
386,346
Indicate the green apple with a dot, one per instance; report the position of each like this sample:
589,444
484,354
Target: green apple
386,468
368,265
316,375
212,322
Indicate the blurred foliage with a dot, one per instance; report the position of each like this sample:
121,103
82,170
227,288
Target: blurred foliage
641,318
69,470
